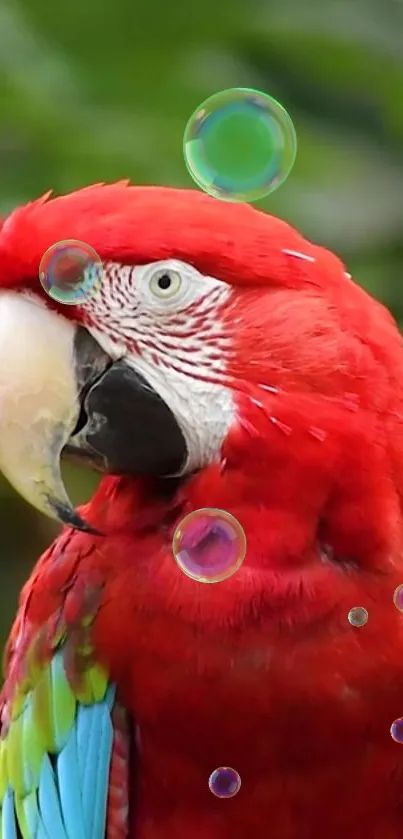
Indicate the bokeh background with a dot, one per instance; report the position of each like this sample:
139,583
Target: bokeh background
94,91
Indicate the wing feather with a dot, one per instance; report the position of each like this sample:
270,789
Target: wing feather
58,756
62,729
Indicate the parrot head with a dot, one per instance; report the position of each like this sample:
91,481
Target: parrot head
221,344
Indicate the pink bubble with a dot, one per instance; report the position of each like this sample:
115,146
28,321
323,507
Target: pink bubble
209,545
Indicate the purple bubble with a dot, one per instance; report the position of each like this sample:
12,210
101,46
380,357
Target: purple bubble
224,782
396,730
398,598
209,545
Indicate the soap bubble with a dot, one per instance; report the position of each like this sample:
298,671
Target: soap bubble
71,272
209,545
398,598
224,782
358,616
396,730
240,145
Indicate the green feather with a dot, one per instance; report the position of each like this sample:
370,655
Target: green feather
15,764
17,705
32,751
42,715
93,685
3,769
63,704
27,814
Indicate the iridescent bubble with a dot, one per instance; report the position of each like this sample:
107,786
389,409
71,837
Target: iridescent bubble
209,545
239,145
224,782
398,598
396,730
71,272
358,616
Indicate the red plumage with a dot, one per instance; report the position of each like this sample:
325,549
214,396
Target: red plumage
261,672
136,224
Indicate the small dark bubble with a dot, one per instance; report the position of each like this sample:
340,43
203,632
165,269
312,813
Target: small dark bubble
396,730
224,782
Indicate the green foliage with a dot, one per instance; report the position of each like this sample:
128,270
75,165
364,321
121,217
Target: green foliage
99,91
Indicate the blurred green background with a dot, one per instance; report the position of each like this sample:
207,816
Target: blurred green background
95,91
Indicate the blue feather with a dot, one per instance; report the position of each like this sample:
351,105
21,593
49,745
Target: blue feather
102,777
94,734
68,797
83,771
49,804
9,820
85,742
110,697
68,777
42,833
96,775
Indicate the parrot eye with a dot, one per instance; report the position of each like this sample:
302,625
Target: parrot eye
165,283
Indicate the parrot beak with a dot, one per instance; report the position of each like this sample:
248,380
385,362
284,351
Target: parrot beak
39,404
62,395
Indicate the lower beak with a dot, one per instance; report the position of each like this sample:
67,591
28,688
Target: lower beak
61,394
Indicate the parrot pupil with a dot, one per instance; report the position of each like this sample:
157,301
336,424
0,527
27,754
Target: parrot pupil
164,282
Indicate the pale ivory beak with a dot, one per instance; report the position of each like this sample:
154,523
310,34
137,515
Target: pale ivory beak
39,402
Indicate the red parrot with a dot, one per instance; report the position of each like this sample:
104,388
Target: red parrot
224,362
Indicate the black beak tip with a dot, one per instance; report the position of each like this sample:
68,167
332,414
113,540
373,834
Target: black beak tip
69,516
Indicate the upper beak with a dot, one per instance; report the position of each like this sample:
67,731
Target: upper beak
60,393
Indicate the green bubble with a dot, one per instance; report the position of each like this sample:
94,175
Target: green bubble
240,145
358,616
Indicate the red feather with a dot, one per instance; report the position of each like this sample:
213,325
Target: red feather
262,671
140,224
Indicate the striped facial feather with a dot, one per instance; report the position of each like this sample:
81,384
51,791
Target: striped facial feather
174,337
